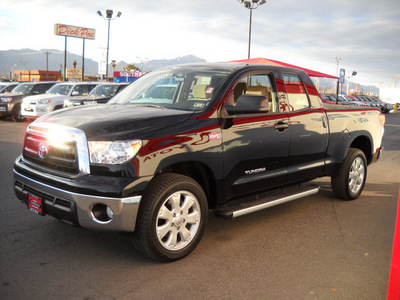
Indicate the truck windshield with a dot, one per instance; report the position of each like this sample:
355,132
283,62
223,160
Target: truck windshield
60,89
104,90
176,88
23,89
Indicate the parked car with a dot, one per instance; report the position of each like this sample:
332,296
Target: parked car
36,106
342,99
346,100
7,87
102,93
328,98
10,103
385,107
228,137
361,99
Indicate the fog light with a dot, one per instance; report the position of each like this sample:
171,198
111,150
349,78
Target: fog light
109,212
102,213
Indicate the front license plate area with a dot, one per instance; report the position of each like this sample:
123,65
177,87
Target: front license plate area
36,204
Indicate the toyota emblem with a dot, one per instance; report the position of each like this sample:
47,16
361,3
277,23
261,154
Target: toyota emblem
43,150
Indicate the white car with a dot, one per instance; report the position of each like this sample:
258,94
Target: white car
37,106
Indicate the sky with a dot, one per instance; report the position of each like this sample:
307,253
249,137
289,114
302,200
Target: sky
363,35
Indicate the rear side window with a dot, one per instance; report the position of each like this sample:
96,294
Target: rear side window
296,92
42,88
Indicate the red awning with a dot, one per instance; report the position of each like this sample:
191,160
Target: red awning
271,62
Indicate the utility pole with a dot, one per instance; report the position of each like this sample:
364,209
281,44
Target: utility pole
47,53
395,81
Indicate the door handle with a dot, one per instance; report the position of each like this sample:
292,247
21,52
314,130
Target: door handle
281,126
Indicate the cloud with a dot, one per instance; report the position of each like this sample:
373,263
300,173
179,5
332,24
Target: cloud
308,33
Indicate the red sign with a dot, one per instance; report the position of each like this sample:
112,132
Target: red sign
129,74
73,31
35,204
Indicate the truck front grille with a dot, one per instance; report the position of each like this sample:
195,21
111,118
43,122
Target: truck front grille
56,149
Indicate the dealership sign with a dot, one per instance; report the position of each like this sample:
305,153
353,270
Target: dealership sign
73,31
129,74
75,74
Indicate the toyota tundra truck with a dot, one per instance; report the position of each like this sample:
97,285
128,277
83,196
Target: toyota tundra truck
183,141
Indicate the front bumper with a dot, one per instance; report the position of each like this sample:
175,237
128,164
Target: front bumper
32,110
6,109
80,209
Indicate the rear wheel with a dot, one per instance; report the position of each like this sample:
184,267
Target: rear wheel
350,181
172,218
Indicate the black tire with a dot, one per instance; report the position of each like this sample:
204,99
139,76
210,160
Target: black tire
17,114
172,218
350,181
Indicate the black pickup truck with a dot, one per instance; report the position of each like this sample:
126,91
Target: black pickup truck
180,141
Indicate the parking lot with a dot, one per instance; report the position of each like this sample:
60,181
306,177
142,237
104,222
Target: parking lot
314,248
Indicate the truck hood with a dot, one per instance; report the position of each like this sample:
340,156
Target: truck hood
110,122
11,95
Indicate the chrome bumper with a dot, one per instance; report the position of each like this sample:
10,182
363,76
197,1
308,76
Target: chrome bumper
86,207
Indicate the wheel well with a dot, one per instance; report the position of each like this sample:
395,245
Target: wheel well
199,172
364,144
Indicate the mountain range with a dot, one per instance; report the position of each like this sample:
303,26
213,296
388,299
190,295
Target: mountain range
53,60
28,59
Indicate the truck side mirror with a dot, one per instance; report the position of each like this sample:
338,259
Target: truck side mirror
75,93
249,104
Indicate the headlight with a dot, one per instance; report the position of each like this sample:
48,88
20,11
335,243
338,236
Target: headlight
6,99
44,101
117,152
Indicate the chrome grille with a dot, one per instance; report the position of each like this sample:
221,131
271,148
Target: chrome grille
56,149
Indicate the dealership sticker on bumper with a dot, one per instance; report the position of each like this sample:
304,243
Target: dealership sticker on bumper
35,204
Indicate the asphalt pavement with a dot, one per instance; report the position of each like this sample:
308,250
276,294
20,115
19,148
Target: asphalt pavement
315,248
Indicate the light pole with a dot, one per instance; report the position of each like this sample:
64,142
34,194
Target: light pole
338,59
141,62
251,4
348,79
108,17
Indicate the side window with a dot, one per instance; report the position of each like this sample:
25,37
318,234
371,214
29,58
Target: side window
9,88
257,84
82,89
296,92
41,88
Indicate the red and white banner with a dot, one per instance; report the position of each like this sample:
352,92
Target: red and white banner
129,74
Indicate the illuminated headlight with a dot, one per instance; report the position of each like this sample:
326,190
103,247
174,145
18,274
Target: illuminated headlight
117,152
44,101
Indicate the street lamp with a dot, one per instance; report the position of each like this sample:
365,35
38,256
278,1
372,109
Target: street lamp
108,17
348,79
141,62
338,59
251,4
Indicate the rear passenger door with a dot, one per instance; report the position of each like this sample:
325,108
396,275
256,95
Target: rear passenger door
308,131
255,145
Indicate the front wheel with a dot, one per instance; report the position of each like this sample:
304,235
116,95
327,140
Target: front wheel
17,114
172,218
350,181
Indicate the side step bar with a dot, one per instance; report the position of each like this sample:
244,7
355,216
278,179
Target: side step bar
266,200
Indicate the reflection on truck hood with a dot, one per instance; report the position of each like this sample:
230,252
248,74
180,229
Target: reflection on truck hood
108,122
